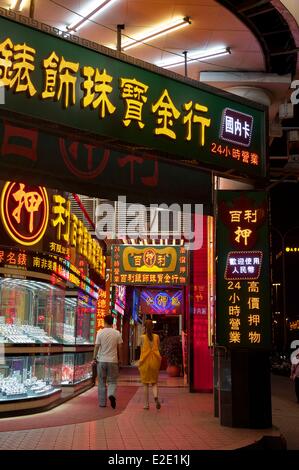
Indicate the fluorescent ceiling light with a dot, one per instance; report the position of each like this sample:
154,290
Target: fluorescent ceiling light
93,9
197,55
17,5
158,31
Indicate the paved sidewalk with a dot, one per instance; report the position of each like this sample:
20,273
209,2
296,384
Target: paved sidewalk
285,410
184,422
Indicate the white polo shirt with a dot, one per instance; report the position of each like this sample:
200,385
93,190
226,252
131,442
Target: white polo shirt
108,339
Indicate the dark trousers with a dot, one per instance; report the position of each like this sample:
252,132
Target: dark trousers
297,388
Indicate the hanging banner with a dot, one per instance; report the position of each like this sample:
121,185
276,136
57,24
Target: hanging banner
243,277
159,265
99,93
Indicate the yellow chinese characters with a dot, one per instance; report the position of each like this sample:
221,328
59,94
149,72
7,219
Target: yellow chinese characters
253,286
162,300
254,319
249,216
234,313
16,65
191,118
133,92
242,234
60,81
234,310
254,303
30,200
234,337
72,231
254,337
62,208
235,323
167,113
96,88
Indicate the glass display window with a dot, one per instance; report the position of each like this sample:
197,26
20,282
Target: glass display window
69,324
30,311
85,319
79,320
76,367
29,377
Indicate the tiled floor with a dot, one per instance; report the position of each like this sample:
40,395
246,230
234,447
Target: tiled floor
185,421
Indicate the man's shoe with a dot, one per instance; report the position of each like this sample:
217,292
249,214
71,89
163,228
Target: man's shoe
112,401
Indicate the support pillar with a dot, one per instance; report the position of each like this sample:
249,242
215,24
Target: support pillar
244,388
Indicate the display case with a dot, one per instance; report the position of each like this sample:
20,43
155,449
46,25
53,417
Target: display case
69,325
76,368
30,311
47,332
79,320
85,319
25,377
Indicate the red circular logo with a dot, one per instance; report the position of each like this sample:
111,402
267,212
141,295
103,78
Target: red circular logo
149,257
24,212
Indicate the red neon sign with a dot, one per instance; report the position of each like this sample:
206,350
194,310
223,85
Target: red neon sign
24,212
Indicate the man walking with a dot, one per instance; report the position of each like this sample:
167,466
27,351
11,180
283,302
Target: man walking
108,353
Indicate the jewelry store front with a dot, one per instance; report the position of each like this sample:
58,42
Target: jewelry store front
81,118
51,272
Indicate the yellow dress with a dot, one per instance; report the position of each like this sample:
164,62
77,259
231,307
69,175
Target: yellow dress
150,360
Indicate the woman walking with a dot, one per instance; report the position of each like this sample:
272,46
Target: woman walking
149,363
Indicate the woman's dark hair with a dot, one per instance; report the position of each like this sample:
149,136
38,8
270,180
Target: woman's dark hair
148,325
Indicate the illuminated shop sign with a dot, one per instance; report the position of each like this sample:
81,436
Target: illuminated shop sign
120,299
52,265
90,91
243,265
101,309
161,302
24,212
30,215
71,231
243,302
149,265
236,127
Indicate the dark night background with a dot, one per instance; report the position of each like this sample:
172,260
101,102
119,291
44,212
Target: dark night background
284,203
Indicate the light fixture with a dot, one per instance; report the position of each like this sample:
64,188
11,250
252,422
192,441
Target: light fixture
158,31
197,55
17,5
86,15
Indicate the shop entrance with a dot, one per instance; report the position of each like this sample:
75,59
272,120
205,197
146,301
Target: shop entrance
165,307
